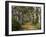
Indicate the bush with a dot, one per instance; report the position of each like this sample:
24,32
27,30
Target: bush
15,24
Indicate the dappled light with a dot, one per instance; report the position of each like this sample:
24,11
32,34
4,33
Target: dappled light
25,18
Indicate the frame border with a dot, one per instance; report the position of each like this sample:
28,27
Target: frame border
7,17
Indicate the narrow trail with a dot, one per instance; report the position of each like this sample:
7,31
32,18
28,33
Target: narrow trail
27,26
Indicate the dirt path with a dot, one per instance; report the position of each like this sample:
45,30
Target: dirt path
27,26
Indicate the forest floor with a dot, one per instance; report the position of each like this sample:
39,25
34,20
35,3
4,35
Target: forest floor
28,26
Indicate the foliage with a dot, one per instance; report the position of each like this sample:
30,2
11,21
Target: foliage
25,14
15,24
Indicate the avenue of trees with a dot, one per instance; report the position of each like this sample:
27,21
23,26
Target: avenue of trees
24,14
